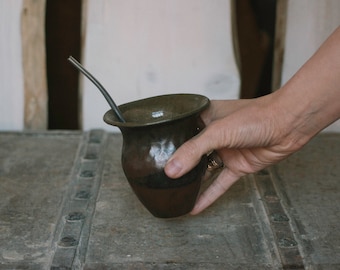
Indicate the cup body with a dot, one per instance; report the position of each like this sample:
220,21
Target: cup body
150,141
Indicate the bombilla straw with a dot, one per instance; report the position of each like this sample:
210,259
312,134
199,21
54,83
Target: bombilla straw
106,95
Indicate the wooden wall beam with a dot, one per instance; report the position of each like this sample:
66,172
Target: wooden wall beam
279,42
34,64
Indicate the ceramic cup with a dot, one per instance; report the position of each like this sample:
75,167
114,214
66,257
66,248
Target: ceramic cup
155,127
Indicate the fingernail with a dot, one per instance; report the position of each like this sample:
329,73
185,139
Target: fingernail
196,208
173,167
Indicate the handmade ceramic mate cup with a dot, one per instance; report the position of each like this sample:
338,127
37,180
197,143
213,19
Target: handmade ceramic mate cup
155,127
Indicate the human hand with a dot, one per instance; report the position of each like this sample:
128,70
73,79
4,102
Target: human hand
250,135
245,135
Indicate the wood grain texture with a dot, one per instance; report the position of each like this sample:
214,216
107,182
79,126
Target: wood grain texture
34,64
280,34
78,199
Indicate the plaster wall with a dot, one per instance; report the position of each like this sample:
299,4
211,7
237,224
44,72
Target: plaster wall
11,70
309,23
139,49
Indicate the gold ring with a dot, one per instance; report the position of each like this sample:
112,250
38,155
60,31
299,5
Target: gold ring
214,161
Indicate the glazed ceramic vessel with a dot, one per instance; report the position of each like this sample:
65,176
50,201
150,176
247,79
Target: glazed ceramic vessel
155,127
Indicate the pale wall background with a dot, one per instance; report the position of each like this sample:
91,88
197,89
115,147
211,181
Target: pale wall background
140,48
309,23
145,48
11,71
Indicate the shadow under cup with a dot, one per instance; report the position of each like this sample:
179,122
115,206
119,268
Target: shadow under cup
155,127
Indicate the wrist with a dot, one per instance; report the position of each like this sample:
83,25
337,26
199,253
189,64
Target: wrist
309,101
292,118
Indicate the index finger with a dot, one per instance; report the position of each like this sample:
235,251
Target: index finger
221,184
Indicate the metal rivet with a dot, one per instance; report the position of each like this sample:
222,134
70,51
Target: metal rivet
68,241
87,173
287,242
94,139
279,217
83,194
75,216
91,156
271,198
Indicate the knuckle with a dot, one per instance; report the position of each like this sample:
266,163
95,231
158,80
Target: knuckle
191,149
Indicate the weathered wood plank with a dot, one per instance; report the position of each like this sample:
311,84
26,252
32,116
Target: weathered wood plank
34,178
308,183
49,203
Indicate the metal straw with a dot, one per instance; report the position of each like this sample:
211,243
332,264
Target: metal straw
106,95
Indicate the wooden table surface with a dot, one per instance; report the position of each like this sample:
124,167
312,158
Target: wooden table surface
65,204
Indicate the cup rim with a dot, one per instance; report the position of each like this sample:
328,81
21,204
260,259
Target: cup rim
202,103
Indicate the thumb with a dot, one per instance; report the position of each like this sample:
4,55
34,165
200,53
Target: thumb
187,155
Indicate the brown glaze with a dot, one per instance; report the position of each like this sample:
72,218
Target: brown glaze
154,129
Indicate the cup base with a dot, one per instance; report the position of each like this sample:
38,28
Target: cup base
168,202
